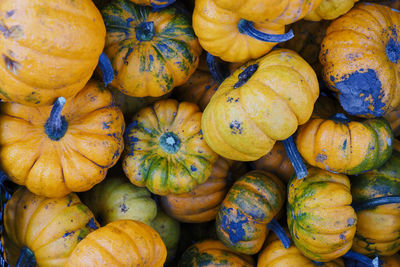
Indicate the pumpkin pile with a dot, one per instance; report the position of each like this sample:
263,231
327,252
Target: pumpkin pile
199,133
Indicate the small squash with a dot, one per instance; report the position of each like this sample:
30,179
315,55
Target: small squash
61,149
49,49
165,150
202,203
261,102
210,253
360,55
117,199
345,146
151,51
252,202
378,228
321,221
120,243
43,231
330,9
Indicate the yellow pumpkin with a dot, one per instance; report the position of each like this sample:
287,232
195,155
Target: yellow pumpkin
330,9
61,149
120,243
44,231
261,102
49,49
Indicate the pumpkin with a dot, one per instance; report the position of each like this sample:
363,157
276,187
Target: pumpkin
61,149
378,228
394,119
276,162
43,231
117,199
329,9
390,261
277,11
261,102
225,34
44,55
209,253
120,243
202,203
345,146
151,51
165,150
154,3
359,55
321,221
252,202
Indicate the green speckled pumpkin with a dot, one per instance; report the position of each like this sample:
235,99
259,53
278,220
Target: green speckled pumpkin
117,199
165,150
378,229
151,51
320,219
252,202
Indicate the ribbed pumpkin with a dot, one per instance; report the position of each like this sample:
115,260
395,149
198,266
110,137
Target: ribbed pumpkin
345,146
165,150
263,101
320,219
210,253
151,51
378,229
202,203
70,150
153,3
44,55
330,9
251,203
359,55
118,199
120,243
277,162
277,11
45,230
394,119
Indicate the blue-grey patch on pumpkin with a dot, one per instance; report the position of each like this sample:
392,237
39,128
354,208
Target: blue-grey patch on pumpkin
68,234
393,46
91,224
233,224
236,127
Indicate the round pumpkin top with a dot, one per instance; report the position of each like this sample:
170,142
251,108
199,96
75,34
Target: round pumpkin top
320,218
49,49
165,150
73,157
360,55
262,101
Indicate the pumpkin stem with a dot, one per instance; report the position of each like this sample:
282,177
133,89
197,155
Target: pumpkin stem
56,126
295,158
373,203
145,31
26,258
361,258
106,69
247,27
245,75
218,71
275,227
340,117
157,7
170,142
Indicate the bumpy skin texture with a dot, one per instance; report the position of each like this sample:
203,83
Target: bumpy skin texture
360,58
50,227
118,199
202,203
276,255
218,33
243,123
251,203
321,221
378,229
147,65
49,49
345,147
80,159
165,149
277,11
209,253
120,243
330,9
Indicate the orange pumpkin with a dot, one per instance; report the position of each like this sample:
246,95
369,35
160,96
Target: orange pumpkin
55,151
49,49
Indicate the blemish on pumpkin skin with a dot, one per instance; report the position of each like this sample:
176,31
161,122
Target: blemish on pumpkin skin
11,64
123,208
193,168
350,222
10,13
234,224
236,127
91,224
68,234
344,145
321,158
